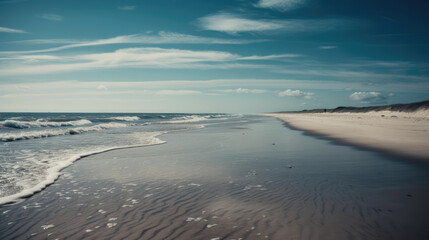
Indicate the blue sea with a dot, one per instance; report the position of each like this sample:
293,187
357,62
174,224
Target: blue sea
35,147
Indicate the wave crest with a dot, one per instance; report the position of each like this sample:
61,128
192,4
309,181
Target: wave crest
41,123
9,137
126,118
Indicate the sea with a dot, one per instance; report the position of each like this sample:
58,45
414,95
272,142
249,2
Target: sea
198,176
35,147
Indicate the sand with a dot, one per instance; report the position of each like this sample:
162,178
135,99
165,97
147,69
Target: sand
400,133
255,180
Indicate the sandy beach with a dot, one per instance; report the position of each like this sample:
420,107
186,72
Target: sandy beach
399,133
253,179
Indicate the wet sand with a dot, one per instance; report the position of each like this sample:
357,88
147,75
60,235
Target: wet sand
258,180
397,133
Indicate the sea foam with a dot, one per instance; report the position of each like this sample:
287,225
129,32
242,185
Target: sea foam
56,162
41,123
126,118
187,119
9,137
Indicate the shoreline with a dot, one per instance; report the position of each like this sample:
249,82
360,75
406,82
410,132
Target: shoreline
20,196
398,134
228,182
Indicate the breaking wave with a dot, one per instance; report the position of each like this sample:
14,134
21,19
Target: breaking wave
9,137
126,118
41,175
42,123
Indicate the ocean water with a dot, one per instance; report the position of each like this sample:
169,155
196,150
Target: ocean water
216,177
35,147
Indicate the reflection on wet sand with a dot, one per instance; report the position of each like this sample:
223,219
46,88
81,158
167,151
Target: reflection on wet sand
221,184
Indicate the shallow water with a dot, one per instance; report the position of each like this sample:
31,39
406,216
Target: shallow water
34,147
250,180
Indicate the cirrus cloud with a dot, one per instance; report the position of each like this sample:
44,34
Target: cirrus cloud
160,38
52,17
230,23
244,90
280,5
233,24
11,30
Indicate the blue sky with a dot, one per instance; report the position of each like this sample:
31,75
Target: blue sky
212,55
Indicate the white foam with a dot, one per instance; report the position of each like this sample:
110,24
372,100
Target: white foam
190,219
53,172
248,187
47,226
9,137
194,184
110,225
126,118
41,123
188,119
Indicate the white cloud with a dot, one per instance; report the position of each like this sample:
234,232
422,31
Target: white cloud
230,23
159,38
11,30
269,57
156,56
127,57
127,8
368,97
280,5
177,92
244,90
15,90
233,24
101,87
48,41
296,93
131,58
31,58
52,17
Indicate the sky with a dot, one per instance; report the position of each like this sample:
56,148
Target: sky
231,56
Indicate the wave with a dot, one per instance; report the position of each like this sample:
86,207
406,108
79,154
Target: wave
187,119
42,123
125,118
54,172
9,137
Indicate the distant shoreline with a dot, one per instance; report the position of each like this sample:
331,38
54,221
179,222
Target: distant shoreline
398,130
407,107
